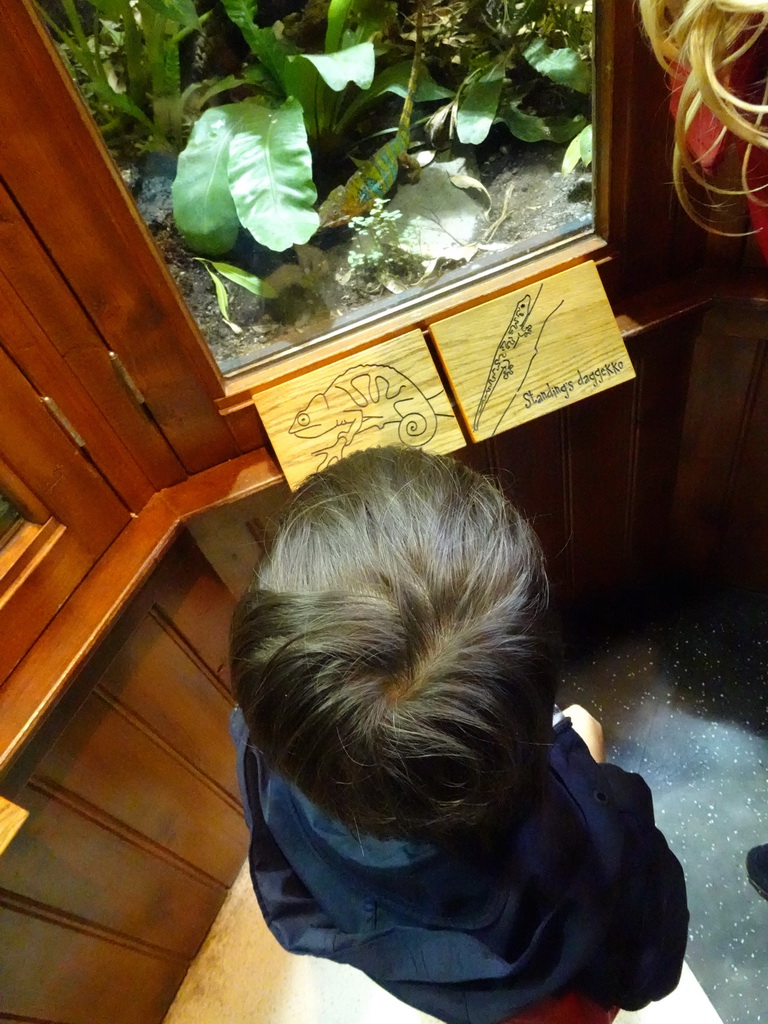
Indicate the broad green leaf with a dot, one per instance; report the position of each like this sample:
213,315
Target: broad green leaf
222,299
203,207
564,67
394,80
478,104
248,281
270,176
356,64
532,128
181,11
243,13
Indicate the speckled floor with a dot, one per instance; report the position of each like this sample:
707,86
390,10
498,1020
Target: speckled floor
681,686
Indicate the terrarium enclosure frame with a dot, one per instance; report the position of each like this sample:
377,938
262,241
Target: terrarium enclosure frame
107,258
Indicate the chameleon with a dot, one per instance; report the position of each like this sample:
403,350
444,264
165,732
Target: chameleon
378,175
360,399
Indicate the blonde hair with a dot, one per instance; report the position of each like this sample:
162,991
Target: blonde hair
706,38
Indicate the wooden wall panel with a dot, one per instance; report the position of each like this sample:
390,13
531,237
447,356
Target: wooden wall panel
109,760
96,982
135,828
233,537
721,501
598,478
743,555
200,610
662,359
531,465
601,449
70,856
157,678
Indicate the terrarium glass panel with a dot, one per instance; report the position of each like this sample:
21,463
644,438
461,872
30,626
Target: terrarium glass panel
10,519
306,166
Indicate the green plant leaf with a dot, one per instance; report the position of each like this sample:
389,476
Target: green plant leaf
203,207
270,175
120,102
265,46
222,299
248,281
571,156
181,11
478,104
371,19
355,64
585,145
243,14
579,149
112,10
338,12
564,67
532,128
528,13
394,80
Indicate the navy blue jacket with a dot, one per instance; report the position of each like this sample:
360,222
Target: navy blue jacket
586,895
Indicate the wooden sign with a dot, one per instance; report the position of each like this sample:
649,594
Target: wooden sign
533,351
388,394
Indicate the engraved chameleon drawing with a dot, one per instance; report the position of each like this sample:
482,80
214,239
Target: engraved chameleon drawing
360,399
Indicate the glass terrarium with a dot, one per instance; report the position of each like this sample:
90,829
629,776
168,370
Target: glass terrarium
304,167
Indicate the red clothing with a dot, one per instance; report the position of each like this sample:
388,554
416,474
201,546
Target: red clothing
569,1009
707,142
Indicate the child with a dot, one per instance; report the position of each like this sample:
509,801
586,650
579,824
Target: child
413,811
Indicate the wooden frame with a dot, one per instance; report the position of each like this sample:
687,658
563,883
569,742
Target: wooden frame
42,678
74,515
108,258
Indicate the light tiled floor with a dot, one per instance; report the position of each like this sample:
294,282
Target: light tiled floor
242,976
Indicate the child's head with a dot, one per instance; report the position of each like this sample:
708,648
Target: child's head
393,657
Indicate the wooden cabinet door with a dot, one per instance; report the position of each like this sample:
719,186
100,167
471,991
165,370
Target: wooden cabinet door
135,829
68,514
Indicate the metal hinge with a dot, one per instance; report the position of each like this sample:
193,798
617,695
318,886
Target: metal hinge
126,378
63,422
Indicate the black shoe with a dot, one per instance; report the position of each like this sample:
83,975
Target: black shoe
757,869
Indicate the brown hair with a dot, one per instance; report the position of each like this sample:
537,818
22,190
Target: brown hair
393,657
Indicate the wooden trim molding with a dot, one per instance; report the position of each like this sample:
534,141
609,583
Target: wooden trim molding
456,300
43,675
12,817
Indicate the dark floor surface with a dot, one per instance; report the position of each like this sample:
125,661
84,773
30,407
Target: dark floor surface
680,683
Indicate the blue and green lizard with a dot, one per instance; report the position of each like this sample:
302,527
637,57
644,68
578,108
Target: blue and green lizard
378,175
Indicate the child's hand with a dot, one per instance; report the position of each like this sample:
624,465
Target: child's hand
588,728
